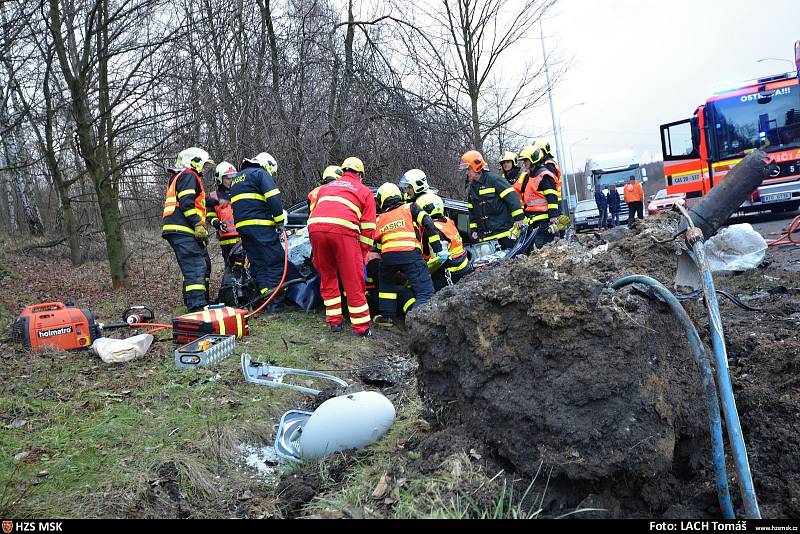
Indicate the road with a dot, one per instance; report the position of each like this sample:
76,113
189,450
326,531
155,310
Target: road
771,226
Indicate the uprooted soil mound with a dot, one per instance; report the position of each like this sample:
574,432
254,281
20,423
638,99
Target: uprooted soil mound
545,365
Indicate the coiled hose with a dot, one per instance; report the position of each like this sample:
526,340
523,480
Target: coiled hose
707,377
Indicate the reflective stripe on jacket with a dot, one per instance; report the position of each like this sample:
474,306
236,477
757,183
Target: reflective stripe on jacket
220,209
345,206
184,203
256,199
493,206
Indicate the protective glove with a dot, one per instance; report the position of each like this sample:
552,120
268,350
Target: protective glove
474,236
200,232
443,255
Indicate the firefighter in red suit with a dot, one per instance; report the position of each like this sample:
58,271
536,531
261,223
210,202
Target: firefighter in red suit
341,231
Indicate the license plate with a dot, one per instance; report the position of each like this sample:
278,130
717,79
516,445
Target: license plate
689,178
776,197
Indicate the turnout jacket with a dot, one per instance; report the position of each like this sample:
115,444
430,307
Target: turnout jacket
256,199
493,206
185,203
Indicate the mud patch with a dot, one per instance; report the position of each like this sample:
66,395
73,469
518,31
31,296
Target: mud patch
547,364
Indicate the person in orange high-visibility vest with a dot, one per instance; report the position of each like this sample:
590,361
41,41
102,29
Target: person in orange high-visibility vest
537,186
183,225
219,212
341,228
398,237
634,198
457,264
331,173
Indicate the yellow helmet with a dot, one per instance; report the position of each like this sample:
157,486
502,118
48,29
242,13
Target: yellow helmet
353,164
532,154
544,145
509,156
331,173
387,194
433,204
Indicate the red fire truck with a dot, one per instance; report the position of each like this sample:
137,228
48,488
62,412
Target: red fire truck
762,113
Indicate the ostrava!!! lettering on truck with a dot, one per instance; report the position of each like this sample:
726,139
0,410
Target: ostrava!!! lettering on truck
763,113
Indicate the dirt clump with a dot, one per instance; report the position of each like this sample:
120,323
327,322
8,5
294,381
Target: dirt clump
539,360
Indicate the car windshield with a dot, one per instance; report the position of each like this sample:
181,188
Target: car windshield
586,205
751,121
610,179
662,193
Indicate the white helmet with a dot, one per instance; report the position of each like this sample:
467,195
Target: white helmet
417,180
194,158
222,170
266,161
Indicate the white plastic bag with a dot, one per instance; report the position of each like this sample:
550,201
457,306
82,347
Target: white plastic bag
121,350
735,248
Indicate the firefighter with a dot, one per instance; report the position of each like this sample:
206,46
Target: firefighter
537,186
405,296
509,167
341,230
183,225
458,264
493,207
219,211
401,228
413,184
551,163
331,173
258,211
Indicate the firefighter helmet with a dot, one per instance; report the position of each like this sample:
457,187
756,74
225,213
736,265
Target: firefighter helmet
353,164
544,145
533,154
473,160
417,180
331,173
388,194
431,203
266,162
509,156
222,170
193,158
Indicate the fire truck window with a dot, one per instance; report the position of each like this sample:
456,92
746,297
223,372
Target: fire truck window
754,121
678,140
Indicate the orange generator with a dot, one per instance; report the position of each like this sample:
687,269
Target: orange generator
54,324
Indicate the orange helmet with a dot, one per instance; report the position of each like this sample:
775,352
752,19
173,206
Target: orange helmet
472,160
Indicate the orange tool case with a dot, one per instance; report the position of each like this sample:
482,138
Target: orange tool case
55,324
222,321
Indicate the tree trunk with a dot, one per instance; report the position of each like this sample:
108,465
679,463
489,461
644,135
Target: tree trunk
11,201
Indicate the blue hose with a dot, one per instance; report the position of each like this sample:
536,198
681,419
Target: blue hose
732,423
712,404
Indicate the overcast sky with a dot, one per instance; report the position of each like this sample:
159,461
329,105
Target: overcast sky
637,64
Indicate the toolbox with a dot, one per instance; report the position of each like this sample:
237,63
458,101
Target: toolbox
219,320
204,352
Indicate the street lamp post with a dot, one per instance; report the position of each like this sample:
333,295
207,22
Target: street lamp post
563,152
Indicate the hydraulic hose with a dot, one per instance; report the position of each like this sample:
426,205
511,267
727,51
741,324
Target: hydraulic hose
694,238
707,377
787,239
283,277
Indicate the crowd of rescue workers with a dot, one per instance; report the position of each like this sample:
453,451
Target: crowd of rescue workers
384,252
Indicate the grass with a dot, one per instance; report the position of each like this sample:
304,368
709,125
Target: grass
99,430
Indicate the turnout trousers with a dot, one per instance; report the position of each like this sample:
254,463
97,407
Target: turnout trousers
195,265
338,256
266,254
389,288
